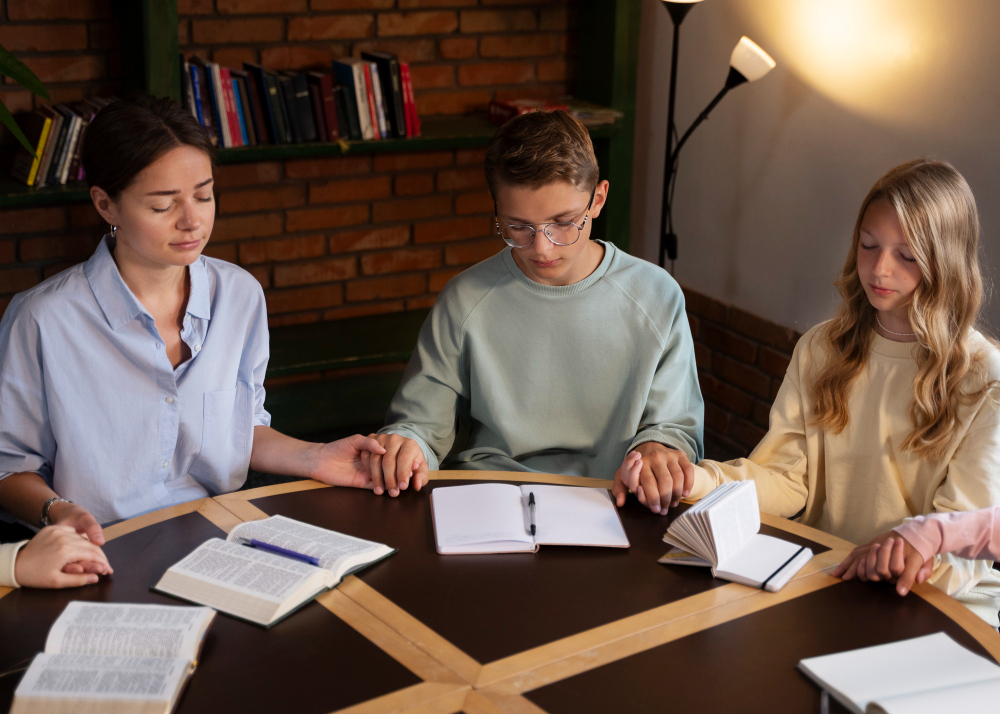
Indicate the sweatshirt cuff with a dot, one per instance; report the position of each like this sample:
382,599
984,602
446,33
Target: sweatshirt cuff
8,556
644,437
923,534
433,464
705,481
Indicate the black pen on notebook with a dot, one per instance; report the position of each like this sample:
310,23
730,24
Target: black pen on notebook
531,510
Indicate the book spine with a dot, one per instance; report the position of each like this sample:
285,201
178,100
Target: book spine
361,96
74,165
370,99
230,104
380,104
39,149
196,91
317,106
259,110
238,110
329,108
35,128
187,88
404,77
348,99
43,169
70,150
243,84
277,109
346,119
210,121
398,113
411,104
53,170
291,113
219,107
304,107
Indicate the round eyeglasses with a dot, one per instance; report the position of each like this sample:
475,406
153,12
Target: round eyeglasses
562,233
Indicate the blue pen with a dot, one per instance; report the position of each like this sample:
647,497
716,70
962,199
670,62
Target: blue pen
277,550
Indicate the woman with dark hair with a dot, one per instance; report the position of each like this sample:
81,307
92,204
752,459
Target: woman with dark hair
134,381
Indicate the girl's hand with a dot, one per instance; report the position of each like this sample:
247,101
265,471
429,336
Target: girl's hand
887,557
626,477
59,557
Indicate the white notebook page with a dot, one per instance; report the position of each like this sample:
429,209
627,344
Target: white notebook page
486,513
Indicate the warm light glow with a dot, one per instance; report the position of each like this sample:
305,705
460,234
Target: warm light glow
750,60
682,2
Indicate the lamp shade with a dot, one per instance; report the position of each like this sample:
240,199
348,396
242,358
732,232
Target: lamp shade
750,60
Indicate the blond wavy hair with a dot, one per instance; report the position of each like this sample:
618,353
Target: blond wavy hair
938,215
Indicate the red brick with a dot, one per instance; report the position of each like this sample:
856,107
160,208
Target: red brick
478,202
386,288
309,219
43,38
451,102
82,215
252,226
330,27
316,271
216,32
393,24
439,278
493,73
377,308
473,252
312,298
410,4
726,395
412,160
694,324
746,433
63,246
4,302
432,76
762,330
421,303
282,249
352,4
234,56
744,377
58,9
230,175
497,20
262,274
333,166
518,46
773,362
195,7
73,68
702,355
262,199
721,340
553,18
300,57
775,386
413,184
14,280
6,251
349,190
717,419
470,156
461,179
544,91
389,237
260,7
452,230
61,95
706,307
408,209
17,101
555,71
420,50
400,261
222,251
456,48
298,318
762,414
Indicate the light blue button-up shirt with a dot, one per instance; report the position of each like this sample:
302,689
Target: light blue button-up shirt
90,401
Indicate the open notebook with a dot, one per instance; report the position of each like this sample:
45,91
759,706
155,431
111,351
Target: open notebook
263,587
721,532
114,658
923,675
496,518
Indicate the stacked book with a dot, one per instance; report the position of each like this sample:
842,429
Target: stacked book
54,132
366,98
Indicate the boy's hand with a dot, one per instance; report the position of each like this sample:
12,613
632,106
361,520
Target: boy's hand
402,463
59,557
79,518
344,462
665,477
886,557
626,474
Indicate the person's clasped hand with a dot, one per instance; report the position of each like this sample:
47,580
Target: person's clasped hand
59,557
658,475
402,464
887,557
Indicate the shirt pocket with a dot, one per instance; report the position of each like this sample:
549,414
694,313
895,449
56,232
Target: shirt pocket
226,441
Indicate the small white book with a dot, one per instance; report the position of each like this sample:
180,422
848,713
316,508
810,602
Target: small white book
263,587
497,518
721,532
923,675
116,658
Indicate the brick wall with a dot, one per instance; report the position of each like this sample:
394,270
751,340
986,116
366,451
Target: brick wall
742,360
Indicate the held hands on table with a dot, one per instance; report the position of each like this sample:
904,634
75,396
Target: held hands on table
59,557
658,475
886,557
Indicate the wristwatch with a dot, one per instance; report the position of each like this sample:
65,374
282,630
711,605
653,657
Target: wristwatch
45,521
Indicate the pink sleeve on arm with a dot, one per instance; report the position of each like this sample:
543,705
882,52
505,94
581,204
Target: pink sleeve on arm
971,534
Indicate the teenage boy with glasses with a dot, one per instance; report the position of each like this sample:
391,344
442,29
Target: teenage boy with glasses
560,354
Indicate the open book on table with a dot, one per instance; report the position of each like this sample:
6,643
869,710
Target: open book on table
923,675
721,532
261,586
114,658
497,518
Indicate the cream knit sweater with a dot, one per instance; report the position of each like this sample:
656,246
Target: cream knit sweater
8,554
860,483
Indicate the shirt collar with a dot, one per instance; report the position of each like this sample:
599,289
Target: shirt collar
118,303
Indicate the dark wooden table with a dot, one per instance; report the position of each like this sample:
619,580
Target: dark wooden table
562,630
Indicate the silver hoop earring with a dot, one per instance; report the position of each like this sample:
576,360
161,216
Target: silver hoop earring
114,232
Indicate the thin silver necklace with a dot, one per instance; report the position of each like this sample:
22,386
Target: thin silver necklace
886,329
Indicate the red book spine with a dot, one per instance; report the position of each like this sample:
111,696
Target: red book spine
329,110
404,81
411,99
230,101
372,107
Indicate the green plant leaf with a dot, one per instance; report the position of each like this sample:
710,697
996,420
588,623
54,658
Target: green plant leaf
19,72
8,121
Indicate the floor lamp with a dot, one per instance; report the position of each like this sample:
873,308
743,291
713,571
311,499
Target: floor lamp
747,63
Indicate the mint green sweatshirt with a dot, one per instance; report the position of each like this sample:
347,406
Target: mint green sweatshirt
512,375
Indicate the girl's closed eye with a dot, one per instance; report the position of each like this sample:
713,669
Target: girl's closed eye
160,210
206,199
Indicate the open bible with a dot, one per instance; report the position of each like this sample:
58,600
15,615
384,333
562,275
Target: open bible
114,658
261,586
498,518
721,532
923,675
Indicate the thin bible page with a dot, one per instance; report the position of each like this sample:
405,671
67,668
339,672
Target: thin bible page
102,677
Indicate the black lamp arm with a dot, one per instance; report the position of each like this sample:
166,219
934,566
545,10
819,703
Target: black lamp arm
733,80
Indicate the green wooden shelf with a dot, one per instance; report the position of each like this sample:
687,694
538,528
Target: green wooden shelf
16,195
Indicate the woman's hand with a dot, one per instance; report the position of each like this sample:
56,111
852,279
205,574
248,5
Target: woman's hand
400,464
59,557
78,518
886,557
345,462
664,476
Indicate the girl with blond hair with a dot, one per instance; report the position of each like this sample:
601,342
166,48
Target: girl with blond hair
890,410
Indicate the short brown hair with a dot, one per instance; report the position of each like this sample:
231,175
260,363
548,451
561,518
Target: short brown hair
128,135
541,147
